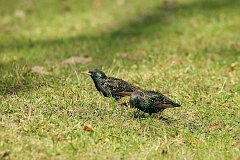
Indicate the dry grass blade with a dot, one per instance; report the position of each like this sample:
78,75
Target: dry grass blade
232,67
77,60
5,154
88,127
20,14
215,126
39,70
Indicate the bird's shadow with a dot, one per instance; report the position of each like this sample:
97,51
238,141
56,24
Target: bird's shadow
167,120
141,116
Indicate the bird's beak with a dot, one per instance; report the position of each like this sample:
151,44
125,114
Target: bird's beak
88,73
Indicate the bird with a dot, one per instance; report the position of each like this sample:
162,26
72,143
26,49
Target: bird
149,101
110,86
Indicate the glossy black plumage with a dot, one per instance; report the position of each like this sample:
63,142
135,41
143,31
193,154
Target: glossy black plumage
110,86
151,101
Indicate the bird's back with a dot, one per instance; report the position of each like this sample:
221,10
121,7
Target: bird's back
116,85
159,100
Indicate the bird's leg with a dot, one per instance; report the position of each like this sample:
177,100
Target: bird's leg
124,104
160,115
151,115
136,114
139,114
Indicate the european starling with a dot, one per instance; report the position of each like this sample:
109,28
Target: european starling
110,86
149,101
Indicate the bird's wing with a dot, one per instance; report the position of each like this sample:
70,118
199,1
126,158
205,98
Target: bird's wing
124,94
159,100
118,85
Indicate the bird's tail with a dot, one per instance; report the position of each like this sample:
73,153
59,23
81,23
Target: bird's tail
124,94
171,105
176,105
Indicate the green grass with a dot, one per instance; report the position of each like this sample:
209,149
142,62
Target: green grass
183,49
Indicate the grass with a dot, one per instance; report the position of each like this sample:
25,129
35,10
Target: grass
184,49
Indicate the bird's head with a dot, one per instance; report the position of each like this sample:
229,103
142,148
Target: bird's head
97,75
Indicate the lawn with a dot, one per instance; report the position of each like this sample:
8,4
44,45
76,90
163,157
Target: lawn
187,49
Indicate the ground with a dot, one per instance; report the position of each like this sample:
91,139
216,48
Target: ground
187,49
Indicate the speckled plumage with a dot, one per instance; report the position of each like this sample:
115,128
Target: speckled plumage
151,101
110,86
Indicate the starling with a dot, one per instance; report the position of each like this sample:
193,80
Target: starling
110,86
149,101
